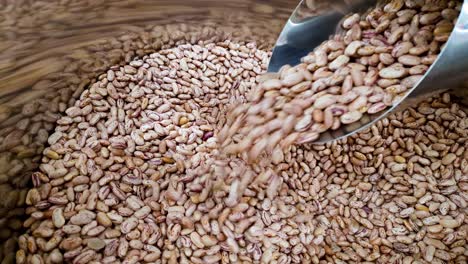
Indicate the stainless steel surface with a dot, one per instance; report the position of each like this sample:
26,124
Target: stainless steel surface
309,25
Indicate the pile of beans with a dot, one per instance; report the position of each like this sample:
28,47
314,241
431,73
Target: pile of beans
120,154
84,39
145,165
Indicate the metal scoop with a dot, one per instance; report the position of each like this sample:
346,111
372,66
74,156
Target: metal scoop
313,22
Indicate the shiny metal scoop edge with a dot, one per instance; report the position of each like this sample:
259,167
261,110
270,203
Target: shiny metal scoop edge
302,34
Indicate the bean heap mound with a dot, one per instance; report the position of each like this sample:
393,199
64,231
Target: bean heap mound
135,174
